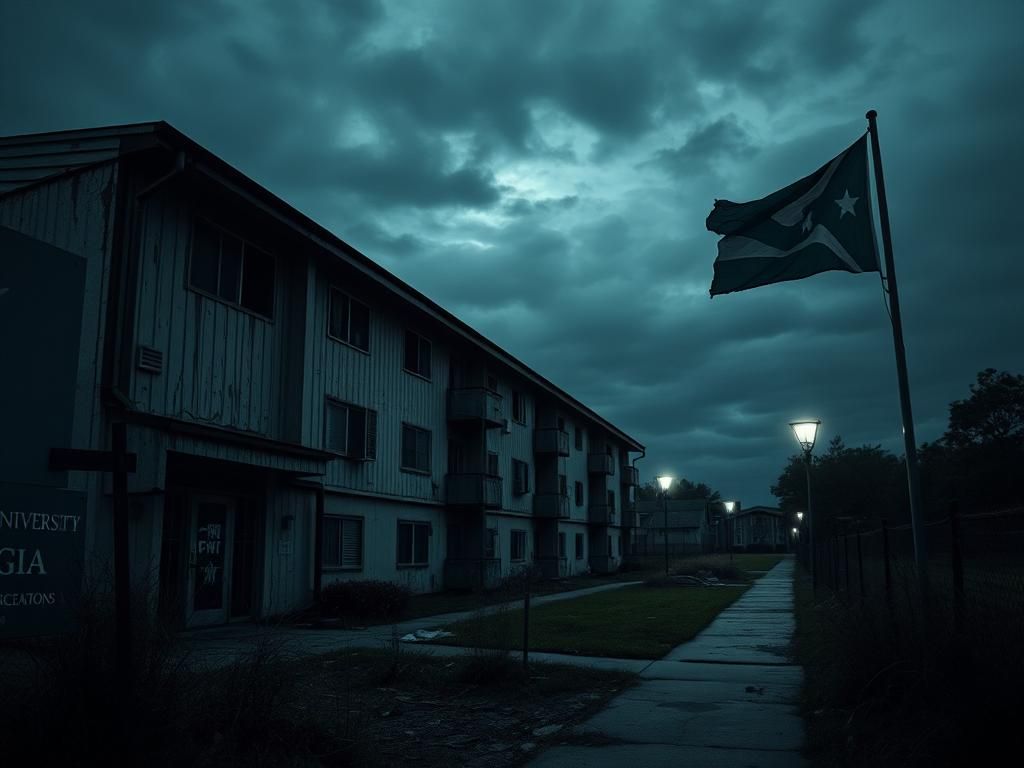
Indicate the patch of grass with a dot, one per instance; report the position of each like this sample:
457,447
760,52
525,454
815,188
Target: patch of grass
634,622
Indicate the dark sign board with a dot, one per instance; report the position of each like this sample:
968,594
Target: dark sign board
42,535
41,294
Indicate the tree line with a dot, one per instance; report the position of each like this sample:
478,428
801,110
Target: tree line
978,461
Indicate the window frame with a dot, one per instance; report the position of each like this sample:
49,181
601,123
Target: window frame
517,534
517,488
401,449
223,231
420,340
492,544
367,454
416,525
331,291
324,566
518,407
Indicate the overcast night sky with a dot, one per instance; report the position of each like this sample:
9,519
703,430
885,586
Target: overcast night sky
544,170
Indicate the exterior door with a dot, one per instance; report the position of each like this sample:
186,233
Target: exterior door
211,534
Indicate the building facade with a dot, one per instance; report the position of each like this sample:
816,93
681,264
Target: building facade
298,414
760,529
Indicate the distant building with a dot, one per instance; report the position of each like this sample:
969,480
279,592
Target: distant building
760,529
299,414
688,529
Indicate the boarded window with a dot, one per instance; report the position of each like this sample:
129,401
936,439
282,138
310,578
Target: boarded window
349,320
415,448
413,541
343,542
350,430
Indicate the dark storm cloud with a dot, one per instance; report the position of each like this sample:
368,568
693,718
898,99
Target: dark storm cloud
544,170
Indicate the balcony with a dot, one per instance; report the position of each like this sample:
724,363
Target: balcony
472,573
551,440
600,464
472,490
551,505
601,514
630,475
474,404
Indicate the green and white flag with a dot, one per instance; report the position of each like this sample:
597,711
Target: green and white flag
819,223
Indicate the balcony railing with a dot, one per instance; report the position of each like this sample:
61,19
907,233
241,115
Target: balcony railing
473,490
630,475
551,440
601,514
475,404
600,464
472,573
552,505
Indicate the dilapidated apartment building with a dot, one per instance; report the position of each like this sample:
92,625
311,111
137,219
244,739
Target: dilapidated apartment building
299,415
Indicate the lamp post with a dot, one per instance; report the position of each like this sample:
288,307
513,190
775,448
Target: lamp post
665,482
806,433
799,525
729,507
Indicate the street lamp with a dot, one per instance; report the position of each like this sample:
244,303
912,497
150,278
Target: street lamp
729,507
665,481
806,432
800,516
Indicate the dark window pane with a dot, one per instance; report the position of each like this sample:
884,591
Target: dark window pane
337,324
561,544
404,543
579,439
205,257
230,268
359,326
411,351
357,432
424,369
337,427
579,546
408,447
258,282
423,449
332,542
421,537
492,464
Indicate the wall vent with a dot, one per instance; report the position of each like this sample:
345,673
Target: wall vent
151,360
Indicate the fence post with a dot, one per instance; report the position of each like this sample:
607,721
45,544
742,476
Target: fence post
958,567
846,561
860,566
885,557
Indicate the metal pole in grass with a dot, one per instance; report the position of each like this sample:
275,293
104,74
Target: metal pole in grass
526,623
806,433
665,482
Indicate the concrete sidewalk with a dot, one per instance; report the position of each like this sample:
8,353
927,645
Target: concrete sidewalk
222,645
728,698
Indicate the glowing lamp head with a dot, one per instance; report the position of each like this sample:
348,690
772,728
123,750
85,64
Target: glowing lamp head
729,506
806,432
665,481
800,516
794,530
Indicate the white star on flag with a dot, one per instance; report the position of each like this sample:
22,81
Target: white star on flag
846,204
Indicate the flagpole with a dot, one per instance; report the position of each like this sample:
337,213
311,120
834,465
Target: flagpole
909,441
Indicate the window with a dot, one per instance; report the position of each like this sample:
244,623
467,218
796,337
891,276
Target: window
518,546
611,501
350,430
520,477
349,320
343,542
579,546
231,269
412,543
561,544
491,544
579,493
492,464
609,546
579,439
417,354
563,486
415,448
518,408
